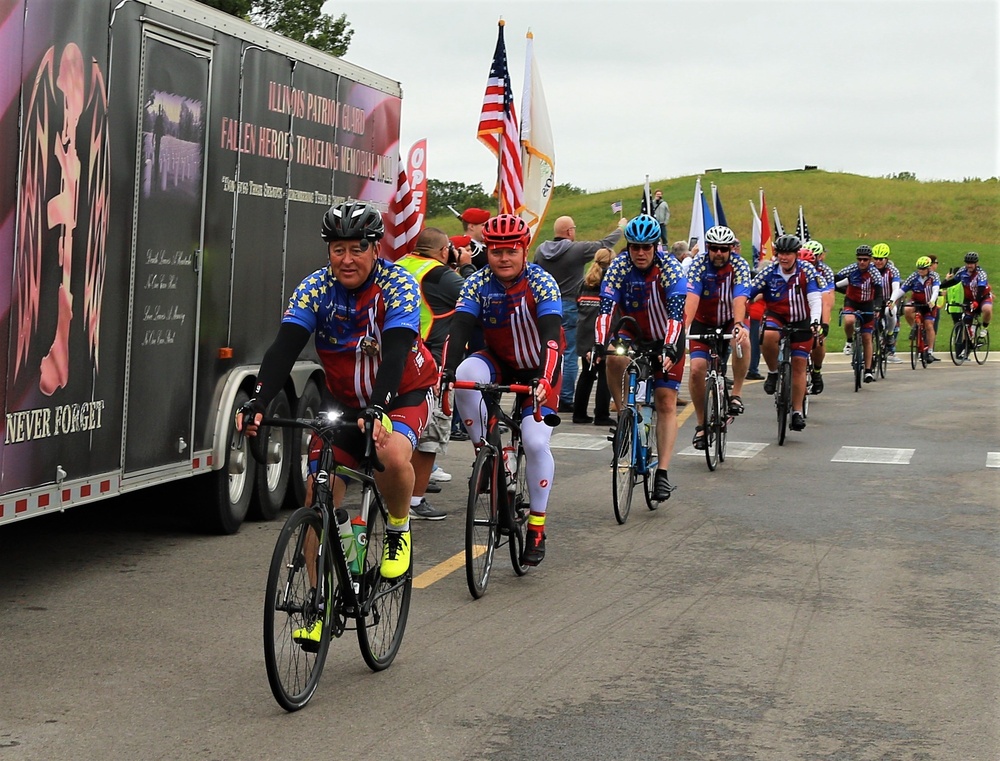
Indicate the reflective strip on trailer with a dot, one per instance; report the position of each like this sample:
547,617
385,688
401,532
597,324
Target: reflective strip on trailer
28,503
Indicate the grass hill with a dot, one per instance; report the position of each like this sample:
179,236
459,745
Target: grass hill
842,210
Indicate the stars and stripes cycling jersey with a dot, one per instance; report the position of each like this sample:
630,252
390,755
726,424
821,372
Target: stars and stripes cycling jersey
716,287
787,297
508,315
655,298
349,326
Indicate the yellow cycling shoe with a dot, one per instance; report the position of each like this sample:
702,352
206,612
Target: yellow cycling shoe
395,554
308,637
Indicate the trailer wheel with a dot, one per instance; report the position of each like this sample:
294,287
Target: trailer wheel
233,482
272,474
308,406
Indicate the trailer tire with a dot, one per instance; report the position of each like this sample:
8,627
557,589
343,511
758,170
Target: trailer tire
272,472
308,406
233,482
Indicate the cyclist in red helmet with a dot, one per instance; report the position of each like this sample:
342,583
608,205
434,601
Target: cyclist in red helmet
519,309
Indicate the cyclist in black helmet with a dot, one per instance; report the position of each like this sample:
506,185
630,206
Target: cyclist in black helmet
365,313
978,295
861,285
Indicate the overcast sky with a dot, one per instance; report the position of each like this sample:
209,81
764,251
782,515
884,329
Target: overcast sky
673,87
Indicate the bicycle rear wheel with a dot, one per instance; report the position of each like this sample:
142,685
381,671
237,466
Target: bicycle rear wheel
385,602
623,466
956,344
981,345
481,530
923,347
783,399
882,363
292,602
914,349
712,423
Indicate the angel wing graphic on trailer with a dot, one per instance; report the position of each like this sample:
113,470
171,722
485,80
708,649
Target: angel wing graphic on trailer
63,215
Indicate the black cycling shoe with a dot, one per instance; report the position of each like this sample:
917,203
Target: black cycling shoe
770,383
661,486
534,547
798,421
817,379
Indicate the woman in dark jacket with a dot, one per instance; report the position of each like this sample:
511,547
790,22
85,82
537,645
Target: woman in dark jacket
588,307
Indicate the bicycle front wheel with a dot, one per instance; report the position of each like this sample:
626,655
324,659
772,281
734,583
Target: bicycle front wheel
292,603
520,507
724,420
981,345
481,531
858,359
914,349
956,345
385,603
623,466
712,423
784,399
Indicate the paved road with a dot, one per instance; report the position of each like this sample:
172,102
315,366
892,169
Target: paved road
791,605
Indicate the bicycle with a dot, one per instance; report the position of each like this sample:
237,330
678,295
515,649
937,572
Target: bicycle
313,578
634,441
783,387
717,417
966,338
858,347
498,503
918,340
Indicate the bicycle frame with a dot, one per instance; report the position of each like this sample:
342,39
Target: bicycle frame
640,459
716,411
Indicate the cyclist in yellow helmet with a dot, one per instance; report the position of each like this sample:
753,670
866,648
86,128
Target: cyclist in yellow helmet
891,295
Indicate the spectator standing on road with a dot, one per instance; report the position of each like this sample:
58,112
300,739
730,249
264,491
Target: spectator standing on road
589,306
439,288
564,257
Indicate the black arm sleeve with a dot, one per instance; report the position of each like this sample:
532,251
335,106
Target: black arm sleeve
396,346
949,283
278,360
548,328
462,325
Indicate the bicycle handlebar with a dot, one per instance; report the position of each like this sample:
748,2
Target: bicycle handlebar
497,388
719,336
324,427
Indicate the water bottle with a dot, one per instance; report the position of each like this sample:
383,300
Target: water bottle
510,466
346,536
360,541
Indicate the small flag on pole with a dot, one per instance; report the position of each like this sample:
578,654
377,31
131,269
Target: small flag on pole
616,207
766,241
802,229
720,215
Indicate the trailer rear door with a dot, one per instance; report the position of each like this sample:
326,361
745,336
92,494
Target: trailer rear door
167,252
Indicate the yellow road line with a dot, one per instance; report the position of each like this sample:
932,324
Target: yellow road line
442,569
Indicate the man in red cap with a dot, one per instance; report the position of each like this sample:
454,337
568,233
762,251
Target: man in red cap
472,225
463,255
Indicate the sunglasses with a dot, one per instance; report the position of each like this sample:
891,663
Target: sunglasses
864,259
724,249
641,246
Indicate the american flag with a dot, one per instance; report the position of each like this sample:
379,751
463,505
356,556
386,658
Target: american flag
499,132
616,207
802,229
403,220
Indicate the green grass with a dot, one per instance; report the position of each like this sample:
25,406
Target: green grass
841,210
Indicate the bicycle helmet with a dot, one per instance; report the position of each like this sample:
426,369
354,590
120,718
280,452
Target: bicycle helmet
880,251
506,231
863,250
353,220
923,261
786,244
721,235
806,255
972,258
642,229
815,247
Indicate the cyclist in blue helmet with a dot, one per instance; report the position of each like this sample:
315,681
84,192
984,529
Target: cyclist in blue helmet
650,286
